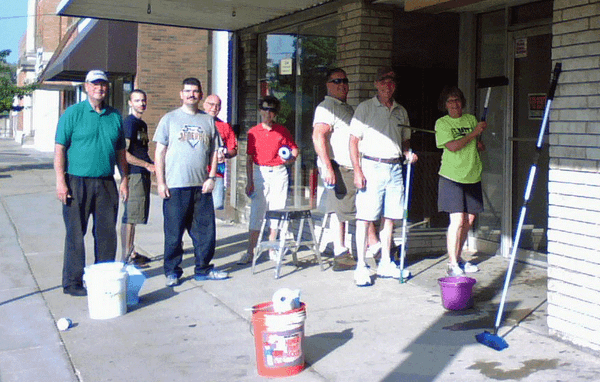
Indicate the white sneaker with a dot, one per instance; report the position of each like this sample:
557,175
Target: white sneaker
454,270
272,255
467,267
389,269
372,250
362,276
246,258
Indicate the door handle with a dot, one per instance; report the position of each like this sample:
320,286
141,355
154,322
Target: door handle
516,139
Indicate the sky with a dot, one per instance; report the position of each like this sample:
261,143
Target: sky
13,24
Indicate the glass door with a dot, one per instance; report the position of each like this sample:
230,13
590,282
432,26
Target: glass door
293,66
531,73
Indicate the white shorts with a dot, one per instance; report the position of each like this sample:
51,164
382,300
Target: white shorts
270,193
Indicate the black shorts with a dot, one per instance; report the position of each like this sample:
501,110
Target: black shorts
459,197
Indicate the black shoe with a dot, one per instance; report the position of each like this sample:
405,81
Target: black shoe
137,259
75,290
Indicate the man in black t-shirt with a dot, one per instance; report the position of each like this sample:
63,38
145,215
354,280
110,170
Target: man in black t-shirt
137,206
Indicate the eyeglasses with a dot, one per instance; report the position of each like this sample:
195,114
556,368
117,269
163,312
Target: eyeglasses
270,109
338,81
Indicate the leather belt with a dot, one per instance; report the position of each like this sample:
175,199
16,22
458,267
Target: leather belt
384,160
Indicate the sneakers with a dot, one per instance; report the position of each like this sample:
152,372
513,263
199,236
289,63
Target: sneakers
362,276
344,262
467,267
387,270
372,250
213,274
454,270
272,255
172,281
246,258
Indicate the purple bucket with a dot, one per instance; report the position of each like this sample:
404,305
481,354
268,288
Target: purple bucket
457,292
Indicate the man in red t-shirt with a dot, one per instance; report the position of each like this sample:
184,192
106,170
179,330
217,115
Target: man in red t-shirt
267,175
212,106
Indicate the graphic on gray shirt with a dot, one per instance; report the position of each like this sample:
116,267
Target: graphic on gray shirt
191,140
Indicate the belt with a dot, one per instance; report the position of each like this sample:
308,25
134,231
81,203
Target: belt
384,160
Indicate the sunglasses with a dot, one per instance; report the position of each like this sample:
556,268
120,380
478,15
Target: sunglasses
338,81
271,109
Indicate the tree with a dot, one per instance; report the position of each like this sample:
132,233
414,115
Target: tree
8,88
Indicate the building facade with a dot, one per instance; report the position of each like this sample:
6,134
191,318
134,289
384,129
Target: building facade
431,44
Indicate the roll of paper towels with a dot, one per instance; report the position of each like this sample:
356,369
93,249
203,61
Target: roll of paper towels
285,300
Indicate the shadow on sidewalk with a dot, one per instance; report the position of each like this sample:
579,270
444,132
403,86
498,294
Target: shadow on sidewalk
318,346
29,295
437,346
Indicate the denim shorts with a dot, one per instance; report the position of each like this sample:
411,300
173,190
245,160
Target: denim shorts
384,191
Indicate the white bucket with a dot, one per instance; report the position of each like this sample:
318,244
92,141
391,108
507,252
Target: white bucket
106,285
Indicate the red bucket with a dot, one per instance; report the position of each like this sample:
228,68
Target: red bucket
279,339
457,292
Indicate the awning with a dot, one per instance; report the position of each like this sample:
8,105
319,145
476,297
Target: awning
229,15
95,47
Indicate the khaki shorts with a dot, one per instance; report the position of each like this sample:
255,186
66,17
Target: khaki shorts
137,206
342,198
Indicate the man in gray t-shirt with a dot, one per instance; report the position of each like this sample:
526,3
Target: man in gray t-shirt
186,143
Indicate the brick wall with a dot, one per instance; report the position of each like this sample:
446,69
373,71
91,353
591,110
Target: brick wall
167,55
50,27
574,178
364,44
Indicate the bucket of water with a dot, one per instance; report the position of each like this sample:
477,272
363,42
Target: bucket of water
106,285
279,340
457,292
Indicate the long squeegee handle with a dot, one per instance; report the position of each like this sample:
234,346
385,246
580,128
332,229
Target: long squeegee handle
523,213
485,104
545,119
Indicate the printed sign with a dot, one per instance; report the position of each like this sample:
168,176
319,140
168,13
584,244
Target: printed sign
521,47
285,66
537,104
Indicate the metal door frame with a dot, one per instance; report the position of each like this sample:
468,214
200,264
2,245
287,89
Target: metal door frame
507,229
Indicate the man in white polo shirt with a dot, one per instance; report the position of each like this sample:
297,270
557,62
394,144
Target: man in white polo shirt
378,124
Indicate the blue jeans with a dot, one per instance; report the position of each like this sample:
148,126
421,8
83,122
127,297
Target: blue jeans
189,209
90,196
218,193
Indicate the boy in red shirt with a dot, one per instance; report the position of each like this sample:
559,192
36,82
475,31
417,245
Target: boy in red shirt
266,170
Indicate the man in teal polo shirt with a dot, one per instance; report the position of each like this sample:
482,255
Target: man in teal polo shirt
89,142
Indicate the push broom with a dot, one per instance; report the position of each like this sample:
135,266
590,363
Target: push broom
493,340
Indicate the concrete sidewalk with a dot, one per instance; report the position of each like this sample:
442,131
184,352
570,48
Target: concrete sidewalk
200,331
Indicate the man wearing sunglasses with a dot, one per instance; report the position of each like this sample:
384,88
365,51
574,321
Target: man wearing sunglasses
267,183
378,125
331,138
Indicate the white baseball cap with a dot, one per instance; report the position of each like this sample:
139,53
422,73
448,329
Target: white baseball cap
96,75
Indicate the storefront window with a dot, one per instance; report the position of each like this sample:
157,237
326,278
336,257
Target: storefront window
293,65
